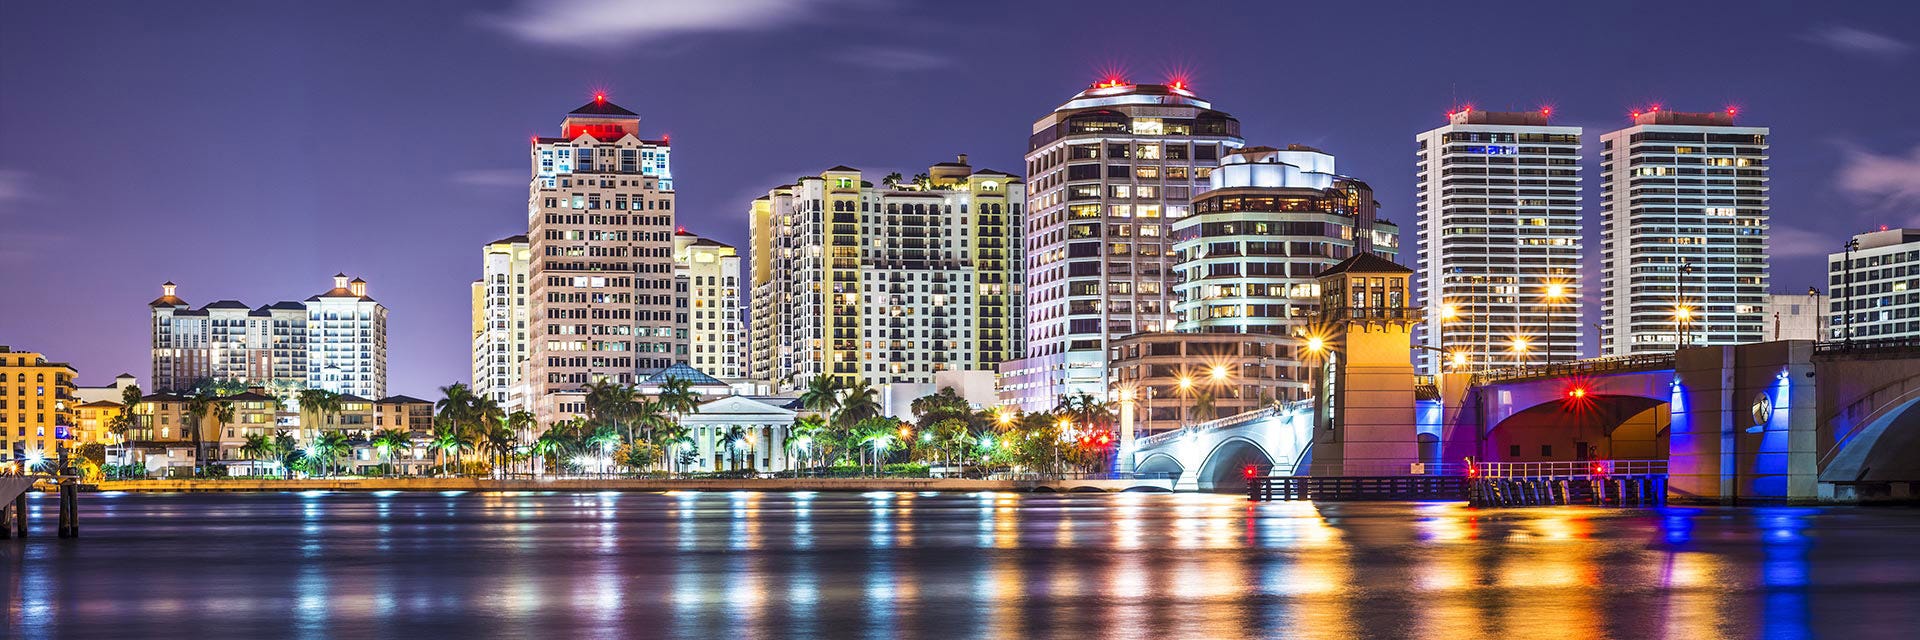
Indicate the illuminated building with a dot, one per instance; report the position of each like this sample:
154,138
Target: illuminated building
1684,240
1880,289
1802,316
707,284
347,340
1499,233
37,405
336,340
1245,261
600,227
889,284
1109,171
500,318
226,340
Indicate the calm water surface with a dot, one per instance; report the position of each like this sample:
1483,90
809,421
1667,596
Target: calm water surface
910,565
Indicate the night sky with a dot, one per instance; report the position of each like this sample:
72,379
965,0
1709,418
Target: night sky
249,150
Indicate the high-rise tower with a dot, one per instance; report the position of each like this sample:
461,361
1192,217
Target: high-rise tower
600,225
1499,257
1108,172
500,319
1684,210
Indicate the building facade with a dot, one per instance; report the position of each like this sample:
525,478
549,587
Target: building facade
600,228
1499,239
37,404
347,340
1877,296
500,313
889,284
1684,251
707,286
1109,171
1796,316
336,340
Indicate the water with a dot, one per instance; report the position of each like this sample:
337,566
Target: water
905,565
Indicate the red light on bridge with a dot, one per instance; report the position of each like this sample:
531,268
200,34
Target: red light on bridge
1577,393
1251,471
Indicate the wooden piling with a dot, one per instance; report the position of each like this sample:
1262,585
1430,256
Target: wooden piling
20,515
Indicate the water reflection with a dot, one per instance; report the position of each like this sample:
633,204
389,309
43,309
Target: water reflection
928,565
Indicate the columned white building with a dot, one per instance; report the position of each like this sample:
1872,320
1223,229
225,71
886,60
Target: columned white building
760,444
1500,274
1684,245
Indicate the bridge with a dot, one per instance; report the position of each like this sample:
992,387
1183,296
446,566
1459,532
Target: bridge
1780,421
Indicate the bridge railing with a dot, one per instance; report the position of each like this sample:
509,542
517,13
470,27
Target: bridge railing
1219,423
1567,468
1387,469
1591,366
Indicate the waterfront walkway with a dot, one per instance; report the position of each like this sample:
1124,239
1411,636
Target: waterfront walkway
633,484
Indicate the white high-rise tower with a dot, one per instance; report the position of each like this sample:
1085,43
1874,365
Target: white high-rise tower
1499,256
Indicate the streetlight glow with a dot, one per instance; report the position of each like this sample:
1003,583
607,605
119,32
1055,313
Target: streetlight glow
1449,312
1186,383
1519,344
1316,344
1219,372
1556,291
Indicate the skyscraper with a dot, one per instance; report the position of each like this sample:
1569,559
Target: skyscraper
1499,234
600,226
500,318
1684,207
1109,170
888,284
707,281
336,340
347,340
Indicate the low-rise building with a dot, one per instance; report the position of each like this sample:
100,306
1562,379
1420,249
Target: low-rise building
37,402
1177,379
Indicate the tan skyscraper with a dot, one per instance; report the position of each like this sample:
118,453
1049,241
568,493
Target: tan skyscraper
600,225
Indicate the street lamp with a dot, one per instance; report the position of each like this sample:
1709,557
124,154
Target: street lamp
1682,317
1519,350
1556,293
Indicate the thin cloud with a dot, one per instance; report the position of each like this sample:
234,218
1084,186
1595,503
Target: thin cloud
13,185
605,24
893,58
1793,242
1858,41
1887,180
492,178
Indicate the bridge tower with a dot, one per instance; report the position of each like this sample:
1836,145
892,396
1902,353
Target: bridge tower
1363,384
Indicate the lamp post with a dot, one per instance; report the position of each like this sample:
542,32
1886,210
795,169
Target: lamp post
1852,244
1556,293
1186,389
1519,350
1448,313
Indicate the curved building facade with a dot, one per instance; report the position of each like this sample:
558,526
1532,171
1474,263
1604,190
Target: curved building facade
1108,172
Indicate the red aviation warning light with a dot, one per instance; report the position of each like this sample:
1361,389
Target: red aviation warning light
599,97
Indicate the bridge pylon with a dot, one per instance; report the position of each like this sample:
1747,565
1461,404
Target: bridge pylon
1364,423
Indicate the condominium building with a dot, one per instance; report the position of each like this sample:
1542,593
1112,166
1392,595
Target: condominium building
336,340
1684,242
706,276
1877,295
1499,239
1109,170
1245,263
347,340
889,284
37,405
763,347
500,321
600,228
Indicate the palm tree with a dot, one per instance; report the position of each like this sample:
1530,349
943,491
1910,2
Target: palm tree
388,442
446,440
678,398
859,403
127,420
258,446
674,437
822,395
1203,405
327,448
200,405
873,433
732,440
521,423
806,435
500,442
318,401
288,450
603,441
454,410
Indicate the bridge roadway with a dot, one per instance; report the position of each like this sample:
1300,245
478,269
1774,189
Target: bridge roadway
1780,421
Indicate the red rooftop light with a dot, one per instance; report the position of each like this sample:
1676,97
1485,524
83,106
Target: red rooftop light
599,97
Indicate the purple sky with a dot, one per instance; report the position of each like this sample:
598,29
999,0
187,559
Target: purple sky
251,149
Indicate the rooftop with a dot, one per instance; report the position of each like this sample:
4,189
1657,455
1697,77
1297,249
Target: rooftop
1365,263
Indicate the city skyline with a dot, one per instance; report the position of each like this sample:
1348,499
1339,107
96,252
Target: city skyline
411,208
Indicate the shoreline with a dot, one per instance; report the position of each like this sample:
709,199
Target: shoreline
622,484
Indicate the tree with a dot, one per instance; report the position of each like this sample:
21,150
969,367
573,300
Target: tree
1203,408
447,441
389,442
807,435
822,395
318,401
859,403
454,411
257,446
873,434
677,442
200,406
288,451
678,397
127,420
733,440
326,449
